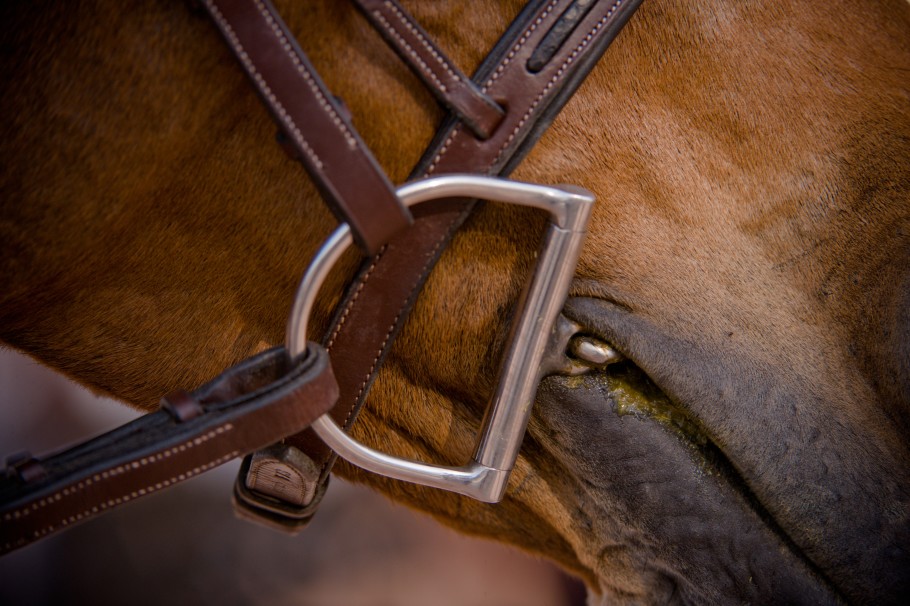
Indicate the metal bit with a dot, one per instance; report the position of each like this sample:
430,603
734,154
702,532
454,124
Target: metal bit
593,351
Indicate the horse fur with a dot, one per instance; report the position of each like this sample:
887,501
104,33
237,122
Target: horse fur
748,251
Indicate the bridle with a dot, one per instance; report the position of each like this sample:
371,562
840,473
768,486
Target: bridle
273,397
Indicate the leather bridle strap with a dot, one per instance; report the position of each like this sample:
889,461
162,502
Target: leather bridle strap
313,122
535,68
241,410
450,86
565,39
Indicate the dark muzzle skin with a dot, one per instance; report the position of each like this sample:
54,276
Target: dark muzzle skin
668,527
715,501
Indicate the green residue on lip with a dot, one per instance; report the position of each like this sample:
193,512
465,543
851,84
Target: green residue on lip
635,394
575,382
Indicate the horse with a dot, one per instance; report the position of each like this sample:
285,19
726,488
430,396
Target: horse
747,259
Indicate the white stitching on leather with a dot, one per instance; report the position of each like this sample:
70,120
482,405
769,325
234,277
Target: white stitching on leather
420,62
113,502
521,42
557,76
423,41
116,471
443,149
350,305
307,76
245,59
381,347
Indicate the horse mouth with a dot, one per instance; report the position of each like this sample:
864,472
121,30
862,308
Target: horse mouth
629,389
646,455
633,393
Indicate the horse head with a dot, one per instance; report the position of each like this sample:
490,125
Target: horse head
745,437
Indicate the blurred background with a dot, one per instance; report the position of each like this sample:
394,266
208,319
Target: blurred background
184,546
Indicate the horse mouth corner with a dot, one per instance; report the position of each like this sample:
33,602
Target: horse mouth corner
633,393
629,390
687,465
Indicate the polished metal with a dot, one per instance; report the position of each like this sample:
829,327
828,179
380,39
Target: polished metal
485,477
594,351
572,352
556,360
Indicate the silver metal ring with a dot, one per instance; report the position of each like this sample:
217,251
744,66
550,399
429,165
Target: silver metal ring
486,475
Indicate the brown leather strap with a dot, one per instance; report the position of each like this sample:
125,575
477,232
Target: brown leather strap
314,124
245,408
374,313
453,89
267,397
378,302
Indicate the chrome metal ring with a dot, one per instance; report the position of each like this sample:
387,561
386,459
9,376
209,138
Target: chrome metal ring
484,477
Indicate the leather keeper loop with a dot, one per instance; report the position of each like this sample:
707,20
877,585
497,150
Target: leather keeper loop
182,406
456,91
25,467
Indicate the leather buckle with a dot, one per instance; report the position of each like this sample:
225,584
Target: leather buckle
485,476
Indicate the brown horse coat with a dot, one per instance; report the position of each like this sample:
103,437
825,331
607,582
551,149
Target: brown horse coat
749,253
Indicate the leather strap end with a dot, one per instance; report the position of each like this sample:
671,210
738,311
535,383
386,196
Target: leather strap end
275,513
451,87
